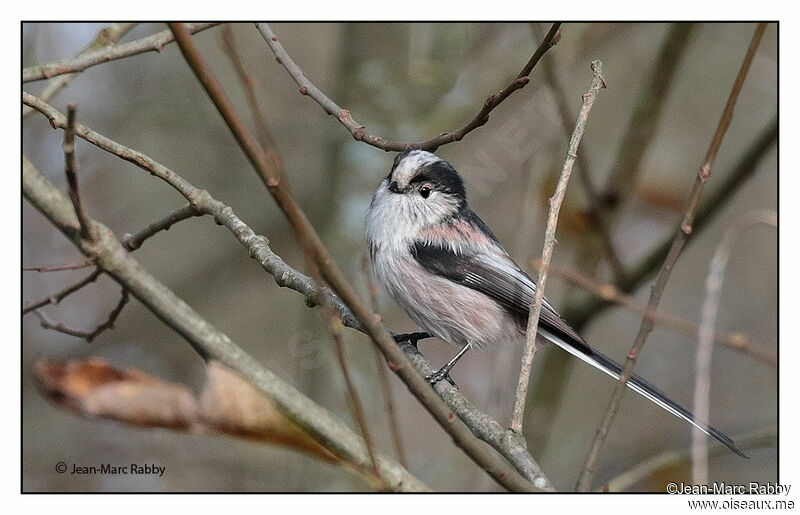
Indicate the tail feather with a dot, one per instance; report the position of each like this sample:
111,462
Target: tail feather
640,386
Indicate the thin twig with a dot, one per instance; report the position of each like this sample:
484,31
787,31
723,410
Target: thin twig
714,201
609,292
270,173
248,84
80,333
510,446
58,268
134,241
156,43
595,212
705,333
354,400
71,171
383,376
679,240
210,343
360,133
107,37
598,83
66,292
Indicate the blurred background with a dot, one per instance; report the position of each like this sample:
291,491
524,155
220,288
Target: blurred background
646,137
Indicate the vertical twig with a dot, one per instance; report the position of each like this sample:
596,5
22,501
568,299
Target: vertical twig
354,400
597,216
383,376
71,170
598,83
679,240
248,84
705,334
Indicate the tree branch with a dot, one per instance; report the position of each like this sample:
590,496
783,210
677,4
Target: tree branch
107,37
71,171
80,333
679,240
134,241
360,133
79,63
58,268
69,290
598,83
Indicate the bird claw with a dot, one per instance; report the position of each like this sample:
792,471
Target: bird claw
442,374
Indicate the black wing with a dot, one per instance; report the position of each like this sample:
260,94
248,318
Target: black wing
496,276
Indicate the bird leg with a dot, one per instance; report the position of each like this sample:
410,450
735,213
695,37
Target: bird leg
444,372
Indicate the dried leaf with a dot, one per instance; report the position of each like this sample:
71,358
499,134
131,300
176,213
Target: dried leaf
228,404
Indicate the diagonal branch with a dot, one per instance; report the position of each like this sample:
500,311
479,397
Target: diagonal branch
154,43
360,133
679,240
134,241
598,83
66,292
509,445
107,37
270,170
81,333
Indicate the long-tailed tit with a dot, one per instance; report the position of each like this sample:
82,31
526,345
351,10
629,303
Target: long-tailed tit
442,264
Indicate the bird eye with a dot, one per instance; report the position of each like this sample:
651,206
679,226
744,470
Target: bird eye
425,191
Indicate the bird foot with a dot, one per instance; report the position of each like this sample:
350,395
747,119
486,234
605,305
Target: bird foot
441,374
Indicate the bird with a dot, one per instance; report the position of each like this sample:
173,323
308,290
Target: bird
443,265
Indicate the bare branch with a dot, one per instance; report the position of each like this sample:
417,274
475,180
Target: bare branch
679,240
58,268
107,37
360,132
270,172
595,212
80,333
56,298
508,444
113,259
705,333
156,43
598,83
248,84
88,233
134,241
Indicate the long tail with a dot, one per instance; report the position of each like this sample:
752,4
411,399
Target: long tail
639,385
